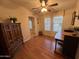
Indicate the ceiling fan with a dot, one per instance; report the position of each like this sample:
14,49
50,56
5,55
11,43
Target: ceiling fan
44,6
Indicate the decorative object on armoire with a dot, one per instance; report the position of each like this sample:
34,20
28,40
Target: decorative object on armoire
11,39
74,15
13,19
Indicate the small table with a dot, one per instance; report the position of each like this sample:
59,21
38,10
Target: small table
58,37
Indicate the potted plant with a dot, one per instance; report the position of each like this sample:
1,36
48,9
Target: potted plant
13,19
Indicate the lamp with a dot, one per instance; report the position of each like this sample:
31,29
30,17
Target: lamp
43,10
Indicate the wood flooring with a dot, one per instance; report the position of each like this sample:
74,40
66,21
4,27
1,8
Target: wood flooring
38,48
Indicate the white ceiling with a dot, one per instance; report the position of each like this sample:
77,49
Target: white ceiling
62,4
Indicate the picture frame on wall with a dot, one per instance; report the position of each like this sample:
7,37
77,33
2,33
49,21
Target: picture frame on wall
73,18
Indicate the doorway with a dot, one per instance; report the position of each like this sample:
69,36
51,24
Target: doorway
32,26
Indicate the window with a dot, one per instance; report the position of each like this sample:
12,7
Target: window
57,23
47,23
30,24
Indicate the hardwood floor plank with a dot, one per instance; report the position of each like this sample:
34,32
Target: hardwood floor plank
38,48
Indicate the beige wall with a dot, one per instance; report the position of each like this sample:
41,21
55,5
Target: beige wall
68,18
22,15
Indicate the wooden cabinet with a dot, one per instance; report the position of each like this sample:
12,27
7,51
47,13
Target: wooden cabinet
10,38
70,46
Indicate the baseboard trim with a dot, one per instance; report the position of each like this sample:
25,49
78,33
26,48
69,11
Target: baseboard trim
29,38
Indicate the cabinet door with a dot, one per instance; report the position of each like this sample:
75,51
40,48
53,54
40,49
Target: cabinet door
19,32
7,32
70,46
6,26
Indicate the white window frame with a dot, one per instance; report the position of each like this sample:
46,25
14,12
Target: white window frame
55,28
47,24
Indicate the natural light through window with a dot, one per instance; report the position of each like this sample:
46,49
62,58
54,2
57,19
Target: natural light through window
30,24
57,23
47,24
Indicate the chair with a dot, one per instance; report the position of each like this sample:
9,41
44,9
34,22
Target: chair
58,40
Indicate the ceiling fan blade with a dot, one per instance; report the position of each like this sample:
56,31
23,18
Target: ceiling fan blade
55,4
35,8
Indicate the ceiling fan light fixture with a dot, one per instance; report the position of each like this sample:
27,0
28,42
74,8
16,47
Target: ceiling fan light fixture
43,10
44,6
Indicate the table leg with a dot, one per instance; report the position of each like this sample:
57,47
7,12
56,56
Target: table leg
55,45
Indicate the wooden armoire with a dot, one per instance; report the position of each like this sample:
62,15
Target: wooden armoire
10,39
